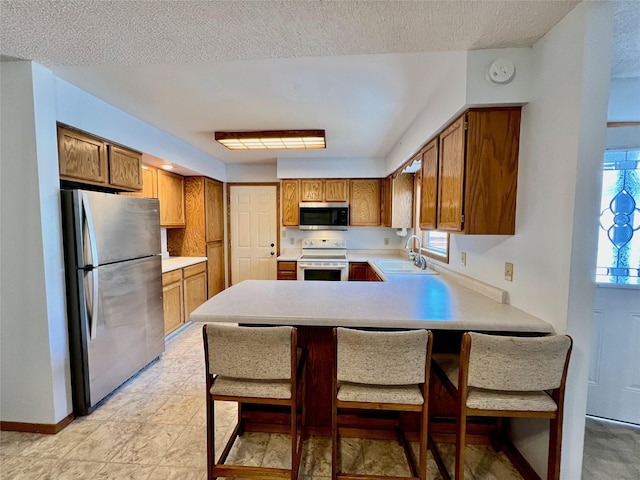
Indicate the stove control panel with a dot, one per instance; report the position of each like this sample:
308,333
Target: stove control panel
324,243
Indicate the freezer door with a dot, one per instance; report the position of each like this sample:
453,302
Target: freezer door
129,322
112,228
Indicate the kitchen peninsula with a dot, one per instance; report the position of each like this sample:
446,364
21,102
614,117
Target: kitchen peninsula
435,302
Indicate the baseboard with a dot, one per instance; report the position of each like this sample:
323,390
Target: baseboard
47,428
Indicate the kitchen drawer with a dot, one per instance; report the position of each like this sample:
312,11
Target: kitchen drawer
171,277
290,266
195,269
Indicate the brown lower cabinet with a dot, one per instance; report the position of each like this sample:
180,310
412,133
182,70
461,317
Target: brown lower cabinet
287,270
172,300
363,272
183,290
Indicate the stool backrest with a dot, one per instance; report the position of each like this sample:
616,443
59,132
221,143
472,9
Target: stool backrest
381,358
517,363
256,353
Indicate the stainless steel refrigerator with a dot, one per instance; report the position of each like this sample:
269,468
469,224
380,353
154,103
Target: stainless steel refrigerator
114,290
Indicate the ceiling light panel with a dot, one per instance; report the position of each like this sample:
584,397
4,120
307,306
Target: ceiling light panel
272,140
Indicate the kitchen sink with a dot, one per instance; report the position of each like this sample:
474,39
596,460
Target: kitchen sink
402,266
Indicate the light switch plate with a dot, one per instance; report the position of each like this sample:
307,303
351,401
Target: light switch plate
508,271
463,259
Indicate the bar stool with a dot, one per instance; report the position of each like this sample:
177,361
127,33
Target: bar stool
382,371
512,377
260,365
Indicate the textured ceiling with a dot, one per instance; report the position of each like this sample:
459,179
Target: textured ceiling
191,67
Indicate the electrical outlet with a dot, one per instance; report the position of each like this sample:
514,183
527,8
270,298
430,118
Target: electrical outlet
386,241
292,240
463,259
508,271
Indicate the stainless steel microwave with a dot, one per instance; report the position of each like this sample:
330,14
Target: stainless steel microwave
324,216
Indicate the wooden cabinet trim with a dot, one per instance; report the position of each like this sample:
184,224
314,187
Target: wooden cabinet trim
172,277
195,269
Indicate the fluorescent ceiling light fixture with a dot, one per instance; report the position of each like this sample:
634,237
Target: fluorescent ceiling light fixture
272,140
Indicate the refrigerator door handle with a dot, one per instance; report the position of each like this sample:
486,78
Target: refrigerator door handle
91,233
92,297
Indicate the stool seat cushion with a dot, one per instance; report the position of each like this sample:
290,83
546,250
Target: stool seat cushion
512,401
402,394
238,387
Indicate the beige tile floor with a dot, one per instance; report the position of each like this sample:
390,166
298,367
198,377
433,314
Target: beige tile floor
153,428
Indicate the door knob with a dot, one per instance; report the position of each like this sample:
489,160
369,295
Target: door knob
273,245
273,253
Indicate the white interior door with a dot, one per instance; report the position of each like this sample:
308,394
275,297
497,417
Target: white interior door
254,226
614,374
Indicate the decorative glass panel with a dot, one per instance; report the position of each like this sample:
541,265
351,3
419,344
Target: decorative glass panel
619,232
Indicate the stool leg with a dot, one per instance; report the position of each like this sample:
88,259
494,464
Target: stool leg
460,444
334,442
211,436
555,443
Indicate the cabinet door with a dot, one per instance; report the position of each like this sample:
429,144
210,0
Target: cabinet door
385,202
171,196
215,257
402,201
287,270
372,275
429,194
149,182
125,168
451,177
365,202
214,213
358,271
336,190
491,170
172,300
195,289
82,158
311,190
290,202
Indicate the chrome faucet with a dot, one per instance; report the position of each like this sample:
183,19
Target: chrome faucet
419,259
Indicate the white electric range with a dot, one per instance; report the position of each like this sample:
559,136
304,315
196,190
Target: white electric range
323,259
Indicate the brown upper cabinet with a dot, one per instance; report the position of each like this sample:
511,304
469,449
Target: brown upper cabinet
171,197
429,191
85,158
477,165
402,200
149,183
324,190
396,197
290,202
365,202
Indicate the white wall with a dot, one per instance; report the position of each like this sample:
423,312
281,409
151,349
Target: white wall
256,172
553,250
482,92
624,101
443,106
35,385
82,110
331,168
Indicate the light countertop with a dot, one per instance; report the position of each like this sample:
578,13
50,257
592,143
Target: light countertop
403,301
174,263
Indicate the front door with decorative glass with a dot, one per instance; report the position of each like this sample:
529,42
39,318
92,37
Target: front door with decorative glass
619,235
